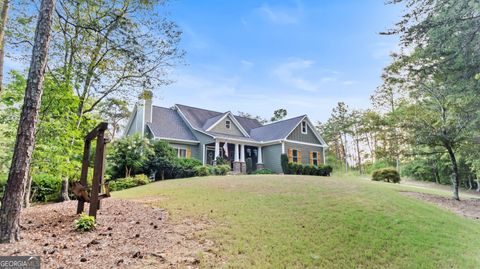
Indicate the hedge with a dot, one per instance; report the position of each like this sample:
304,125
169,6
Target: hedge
305,169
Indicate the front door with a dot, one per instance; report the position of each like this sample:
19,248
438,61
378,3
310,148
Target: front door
210,155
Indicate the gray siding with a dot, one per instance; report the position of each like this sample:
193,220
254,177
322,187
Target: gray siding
309,137
204,140
271,157
220,128
305,151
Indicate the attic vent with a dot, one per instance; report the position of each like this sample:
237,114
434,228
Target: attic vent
227,124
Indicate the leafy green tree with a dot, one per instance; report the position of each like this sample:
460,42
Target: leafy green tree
114,111
161,160
279,114
128,155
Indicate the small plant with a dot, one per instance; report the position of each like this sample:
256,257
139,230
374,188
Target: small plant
85,223
221,160
387,175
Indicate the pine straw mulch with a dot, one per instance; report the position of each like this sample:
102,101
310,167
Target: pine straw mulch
469,208
128,235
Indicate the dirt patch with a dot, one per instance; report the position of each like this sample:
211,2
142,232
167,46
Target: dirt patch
128,235
469,208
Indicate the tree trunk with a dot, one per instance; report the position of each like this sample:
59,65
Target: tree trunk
22,154
478,184
455,176
3,23
64,190
28,189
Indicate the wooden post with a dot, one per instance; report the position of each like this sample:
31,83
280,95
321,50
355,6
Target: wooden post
97,173
84,173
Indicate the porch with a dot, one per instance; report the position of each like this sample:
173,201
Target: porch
236,154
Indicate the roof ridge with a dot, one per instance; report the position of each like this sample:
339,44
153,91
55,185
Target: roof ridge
280,121
201,108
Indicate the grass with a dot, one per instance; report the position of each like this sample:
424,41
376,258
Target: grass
273,221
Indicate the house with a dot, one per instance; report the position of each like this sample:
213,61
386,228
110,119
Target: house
205,135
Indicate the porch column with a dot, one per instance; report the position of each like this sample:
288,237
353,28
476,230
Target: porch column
236,153
260,159
217,149
242,153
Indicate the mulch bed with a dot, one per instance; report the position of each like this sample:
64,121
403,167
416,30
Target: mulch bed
469,208
128,235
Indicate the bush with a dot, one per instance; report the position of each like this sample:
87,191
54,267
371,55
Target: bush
185,167
126,183
263,171
324,170
85,223
284,163
249,165
306,170
202,171
220,170
141,180
45,187
387,175
221,160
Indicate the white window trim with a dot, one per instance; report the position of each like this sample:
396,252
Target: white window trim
293,156
315,158
306,127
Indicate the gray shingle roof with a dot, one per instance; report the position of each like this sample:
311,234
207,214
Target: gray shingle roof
198,116
276,130
167,123
212,121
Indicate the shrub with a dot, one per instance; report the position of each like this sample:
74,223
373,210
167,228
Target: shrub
387,175
45,187
85,223
202,171
284,163
126,183
249,165
141,180
306,169
221,160
298,168
263,171
185,167
223,169
324,170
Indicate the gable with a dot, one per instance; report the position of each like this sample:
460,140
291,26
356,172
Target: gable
220,127
309,137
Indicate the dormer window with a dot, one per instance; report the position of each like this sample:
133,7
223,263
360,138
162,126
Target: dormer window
304,127
227,124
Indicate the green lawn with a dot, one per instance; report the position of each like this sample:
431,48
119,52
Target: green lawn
318,222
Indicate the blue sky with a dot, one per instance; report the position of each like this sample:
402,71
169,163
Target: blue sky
256,56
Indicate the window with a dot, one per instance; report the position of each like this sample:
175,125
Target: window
181,153
227,124
315,158
304,127
295,155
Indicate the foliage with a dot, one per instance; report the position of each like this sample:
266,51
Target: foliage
263,171
221,160
202,171
85,223
185,167
370,167
249,165
128,155
161,161
307,169
386,174
45,187
279,114
284,163
130,182
220,170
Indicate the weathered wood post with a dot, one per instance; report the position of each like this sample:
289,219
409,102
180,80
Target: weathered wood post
97,133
